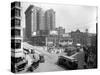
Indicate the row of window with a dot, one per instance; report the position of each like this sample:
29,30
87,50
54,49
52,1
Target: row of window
66,40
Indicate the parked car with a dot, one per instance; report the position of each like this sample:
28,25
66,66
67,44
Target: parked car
18,63
21,65
67,62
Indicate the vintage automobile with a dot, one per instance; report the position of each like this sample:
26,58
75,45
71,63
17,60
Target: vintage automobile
18,64
29,49
37,58
67,62
21,65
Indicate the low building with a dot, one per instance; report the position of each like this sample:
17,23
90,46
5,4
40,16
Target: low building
60,30
38,40
84,38
57,40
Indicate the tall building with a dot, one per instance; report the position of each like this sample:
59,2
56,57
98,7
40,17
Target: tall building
16,29
50,19
41,20
16,34
34,21
38,23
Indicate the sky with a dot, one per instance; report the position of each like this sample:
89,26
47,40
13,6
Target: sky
70,17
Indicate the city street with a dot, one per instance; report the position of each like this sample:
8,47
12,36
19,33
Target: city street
49,65
48,39
50,60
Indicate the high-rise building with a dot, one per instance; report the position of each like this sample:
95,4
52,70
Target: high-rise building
34,20
50,19
41,20
31,17
16,29
16,34
38,22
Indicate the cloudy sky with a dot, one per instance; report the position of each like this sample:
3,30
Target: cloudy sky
71,17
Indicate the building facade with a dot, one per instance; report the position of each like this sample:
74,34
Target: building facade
16,30
34,20
60,30
82,38
58,40
39,23
50,19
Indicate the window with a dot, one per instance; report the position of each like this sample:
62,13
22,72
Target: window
15,32
15,4
61,40
70,41
17,12
15,22
15,43
66,40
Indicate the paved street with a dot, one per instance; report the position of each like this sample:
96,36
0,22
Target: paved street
50,60
48,65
